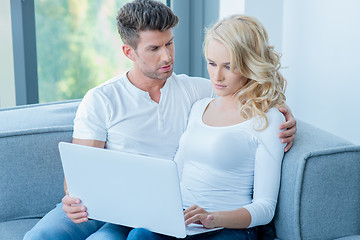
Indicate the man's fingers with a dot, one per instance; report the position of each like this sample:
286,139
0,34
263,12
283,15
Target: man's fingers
288,133
69,200
284,110
291,123
77,216
288,146
74,209
80,220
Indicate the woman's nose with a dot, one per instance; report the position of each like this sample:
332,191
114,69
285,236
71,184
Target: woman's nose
218,75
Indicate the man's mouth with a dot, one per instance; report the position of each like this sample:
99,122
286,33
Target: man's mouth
166,68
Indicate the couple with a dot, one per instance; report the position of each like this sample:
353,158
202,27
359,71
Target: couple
229,155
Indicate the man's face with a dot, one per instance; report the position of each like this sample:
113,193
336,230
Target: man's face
155,53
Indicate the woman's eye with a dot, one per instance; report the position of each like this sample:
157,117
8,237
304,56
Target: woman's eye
212,64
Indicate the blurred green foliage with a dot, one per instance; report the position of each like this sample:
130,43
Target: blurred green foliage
78,46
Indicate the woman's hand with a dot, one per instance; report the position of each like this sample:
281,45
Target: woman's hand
288,135
196,214
77,213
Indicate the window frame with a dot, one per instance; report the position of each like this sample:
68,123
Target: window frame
189,35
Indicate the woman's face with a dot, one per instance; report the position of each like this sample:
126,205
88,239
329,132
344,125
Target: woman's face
225,82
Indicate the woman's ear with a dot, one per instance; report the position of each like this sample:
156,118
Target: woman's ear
128,51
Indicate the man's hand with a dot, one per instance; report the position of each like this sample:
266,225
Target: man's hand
288,135
196,214
71,206
76,212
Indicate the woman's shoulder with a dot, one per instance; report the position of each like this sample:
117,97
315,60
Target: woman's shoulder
202,103
274,115
271,124
199,107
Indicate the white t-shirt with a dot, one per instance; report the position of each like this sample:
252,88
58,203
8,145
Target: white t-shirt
129,120
225,168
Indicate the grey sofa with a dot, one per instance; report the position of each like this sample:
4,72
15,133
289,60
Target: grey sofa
320,185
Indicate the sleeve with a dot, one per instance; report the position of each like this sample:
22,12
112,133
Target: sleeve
200,87
92,117
268,160
203,88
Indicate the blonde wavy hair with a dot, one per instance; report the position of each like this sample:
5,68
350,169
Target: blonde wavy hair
250,54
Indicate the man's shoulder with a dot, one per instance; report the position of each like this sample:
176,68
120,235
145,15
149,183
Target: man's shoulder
105,91
110,84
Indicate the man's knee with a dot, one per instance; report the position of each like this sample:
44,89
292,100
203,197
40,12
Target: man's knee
42,234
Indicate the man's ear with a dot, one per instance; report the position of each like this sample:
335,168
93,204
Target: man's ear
128,51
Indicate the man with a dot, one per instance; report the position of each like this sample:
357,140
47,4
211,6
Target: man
143,111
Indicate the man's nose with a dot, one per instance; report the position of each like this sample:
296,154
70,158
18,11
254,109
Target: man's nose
165,55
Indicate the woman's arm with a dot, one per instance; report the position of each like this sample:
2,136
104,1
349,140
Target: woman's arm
236,219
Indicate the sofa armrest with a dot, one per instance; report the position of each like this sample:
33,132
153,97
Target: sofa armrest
320,187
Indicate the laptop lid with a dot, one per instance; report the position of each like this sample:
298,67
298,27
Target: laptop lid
125,189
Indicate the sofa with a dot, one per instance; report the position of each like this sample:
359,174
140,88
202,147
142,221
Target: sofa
320,185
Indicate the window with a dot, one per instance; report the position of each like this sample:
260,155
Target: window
78,46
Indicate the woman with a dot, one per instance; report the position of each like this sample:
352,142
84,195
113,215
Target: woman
229,157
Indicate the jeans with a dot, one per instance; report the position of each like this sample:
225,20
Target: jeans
56,225
224,234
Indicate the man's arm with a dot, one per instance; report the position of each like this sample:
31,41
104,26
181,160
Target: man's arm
288,135
78,213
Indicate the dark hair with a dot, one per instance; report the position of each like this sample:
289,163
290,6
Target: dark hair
140,15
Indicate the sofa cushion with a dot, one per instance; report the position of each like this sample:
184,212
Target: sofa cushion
355,237
15,230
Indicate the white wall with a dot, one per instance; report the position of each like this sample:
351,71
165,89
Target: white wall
269,13
7,83
230,7
321,50
320,43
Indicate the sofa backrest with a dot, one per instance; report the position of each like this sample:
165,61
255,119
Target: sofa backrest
31,177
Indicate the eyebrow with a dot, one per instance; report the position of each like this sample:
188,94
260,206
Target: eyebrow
153,46
227,63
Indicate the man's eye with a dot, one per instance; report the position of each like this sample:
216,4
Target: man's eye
169,43
212,64
154,49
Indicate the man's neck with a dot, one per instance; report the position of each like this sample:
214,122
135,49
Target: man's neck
152,86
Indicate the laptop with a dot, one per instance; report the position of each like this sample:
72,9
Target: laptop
127,189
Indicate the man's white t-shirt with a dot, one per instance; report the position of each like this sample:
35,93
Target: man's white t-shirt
129,120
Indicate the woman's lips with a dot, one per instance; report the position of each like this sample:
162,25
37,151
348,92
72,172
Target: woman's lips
219,86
